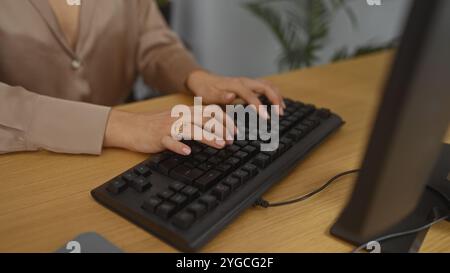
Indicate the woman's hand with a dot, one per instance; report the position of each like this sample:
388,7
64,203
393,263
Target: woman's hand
152,133
224,90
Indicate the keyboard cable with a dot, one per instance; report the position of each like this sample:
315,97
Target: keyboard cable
266,204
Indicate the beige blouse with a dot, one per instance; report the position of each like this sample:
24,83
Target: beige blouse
56,98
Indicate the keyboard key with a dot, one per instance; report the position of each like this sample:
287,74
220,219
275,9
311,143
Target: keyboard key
184,220
242,175
298,115
189,164
155,160
287,142
292,119
181,170
206,166
209,201
201,157
129,176
232,182
208,180
210,151
241,143
251,169
293,107
165,210
281,149
301,127
241,155
251,150
262,160
196,148
233,148
150,204
117,186
186,175
179,200
224,154
214,160
166,194
272,154
198,209
286,123
225,168
256,144
166,166
310,123
142,170
313,118
190,192
295,134
221,191
324,113
177,186
233,161
194,162
141,184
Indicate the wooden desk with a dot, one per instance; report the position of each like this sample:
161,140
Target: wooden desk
45,199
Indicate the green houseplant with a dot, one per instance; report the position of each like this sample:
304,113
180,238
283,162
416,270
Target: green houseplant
302,26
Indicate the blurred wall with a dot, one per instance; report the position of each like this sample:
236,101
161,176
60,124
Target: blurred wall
227,39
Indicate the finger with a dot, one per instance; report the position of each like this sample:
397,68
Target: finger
276,90
265,89
224,124
175,146
192,131
228,128
250,97
199,118
231,127
217,128
199,134
220,97
227,98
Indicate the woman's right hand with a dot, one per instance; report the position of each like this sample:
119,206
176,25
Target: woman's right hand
151,133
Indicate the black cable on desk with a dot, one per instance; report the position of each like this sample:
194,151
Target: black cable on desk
265,204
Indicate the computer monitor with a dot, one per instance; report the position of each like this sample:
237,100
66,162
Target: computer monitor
390,193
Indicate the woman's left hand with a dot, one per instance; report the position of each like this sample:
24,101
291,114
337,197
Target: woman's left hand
216,89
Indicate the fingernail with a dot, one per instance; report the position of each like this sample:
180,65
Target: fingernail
265,114
187,151
281,111
230,139
220,142
229,96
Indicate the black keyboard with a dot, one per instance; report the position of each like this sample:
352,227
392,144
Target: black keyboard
187,200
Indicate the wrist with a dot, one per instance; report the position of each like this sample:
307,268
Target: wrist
195,79
115,128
